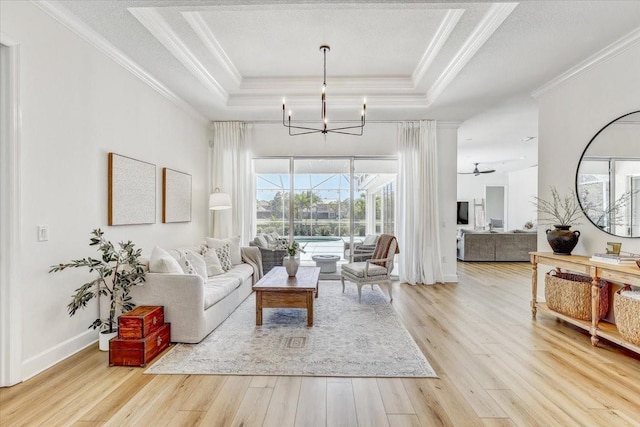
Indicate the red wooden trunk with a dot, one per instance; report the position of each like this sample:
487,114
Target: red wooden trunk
139,352
140,322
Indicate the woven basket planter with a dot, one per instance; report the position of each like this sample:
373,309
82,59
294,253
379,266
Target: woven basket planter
627,312
570,294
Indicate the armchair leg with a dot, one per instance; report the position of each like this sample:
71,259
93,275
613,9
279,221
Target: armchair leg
342,279
359,293
390,291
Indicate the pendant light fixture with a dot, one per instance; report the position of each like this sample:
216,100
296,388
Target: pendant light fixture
349,129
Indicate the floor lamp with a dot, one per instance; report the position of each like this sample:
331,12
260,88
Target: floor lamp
218,201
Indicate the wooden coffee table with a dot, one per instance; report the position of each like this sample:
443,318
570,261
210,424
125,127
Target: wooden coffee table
277,290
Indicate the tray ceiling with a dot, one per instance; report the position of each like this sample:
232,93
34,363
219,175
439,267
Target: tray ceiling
412,60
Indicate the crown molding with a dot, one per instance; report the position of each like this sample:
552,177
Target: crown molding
151,19
490,22
444,124
209,40
312,84
337,101
442,35
598,58
70,21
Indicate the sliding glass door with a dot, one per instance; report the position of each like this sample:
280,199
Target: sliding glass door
325,203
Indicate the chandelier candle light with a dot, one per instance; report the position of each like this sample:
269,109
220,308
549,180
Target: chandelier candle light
324,129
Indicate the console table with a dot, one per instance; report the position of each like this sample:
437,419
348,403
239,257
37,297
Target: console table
621,274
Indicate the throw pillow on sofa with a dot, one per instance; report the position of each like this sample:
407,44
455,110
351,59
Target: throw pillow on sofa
198,263
224,257
234,247
187,267
162,262
214,266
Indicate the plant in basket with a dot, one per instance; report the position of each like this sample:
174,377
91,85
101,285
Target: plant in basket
561,211
117,270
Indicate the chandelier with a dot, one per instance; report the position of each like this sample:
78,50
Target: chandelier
350,128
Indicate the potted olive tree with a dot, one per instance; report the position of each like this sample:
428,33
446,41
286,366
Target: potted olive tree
117,270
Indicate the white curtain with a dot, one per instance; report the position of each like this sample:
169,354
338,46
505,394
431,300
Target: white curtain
230,172
418,218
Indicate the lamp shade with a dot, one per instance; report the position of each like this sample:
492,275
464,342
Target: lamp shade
219,201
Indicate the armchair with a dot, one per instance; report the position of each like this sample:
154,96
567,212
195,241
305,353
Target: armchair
376,270
271,256
362,251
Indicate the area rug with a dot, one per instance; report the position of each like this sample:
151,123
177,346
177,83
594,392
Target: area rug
347,339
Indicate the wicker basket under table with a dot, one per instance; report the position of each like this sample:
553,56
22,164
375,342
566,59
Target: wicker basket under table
627,311
570,294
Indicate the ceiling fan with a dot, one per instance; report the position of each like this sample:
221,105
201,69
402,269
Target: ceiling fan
477,171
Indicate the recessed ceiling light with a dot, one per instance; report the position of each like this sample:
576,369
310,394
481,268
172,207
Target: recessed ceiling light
527,138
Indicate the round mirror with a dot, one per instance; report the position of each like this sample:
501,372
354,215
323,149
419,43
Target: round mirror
608,177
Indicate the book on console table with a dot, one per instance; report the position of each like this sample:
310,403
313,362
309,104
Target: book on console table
621,259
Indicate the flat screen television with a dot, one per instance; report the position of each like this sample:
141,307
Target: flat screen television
463,212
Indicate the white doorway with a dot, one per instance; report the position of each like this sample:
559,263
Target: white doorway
495,206
10,295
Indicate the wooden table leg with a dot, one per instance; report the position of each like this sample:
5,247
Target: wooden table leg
595,308
317,289
310,308
258,308
534,285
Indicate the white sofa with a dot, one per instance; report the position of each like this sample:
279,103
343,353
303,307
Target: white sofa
195,306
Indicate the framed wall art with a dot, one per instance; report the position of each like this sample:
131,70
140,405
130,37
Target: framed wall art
132,191
176,196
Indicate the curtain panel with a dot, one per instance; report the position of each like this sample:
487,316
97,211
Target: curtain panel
230,172
420,260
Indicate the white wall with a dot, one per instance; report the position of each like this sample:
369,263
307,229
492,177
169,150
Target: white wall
570,115
379,139
520,186
78,105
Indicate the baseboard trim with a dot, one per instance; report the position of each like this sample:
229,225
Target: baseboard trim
450,278
43,361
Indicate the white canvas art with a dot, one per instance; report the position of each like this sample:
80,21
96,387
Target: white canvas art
176,196
132,191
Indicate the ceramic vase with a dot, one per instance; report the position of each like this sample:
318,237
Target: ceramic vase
562,240
291,264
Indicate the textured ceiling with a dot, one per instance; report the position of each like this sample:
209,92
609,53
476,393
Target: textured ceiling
476,62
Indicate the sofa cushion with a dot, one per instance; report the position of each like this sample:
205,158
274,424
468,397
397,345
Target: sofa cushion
218,287
241,272
162,262
357,269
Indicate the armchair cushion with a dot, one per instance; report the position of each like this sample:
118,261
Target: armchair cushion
261,241
370,239
357,269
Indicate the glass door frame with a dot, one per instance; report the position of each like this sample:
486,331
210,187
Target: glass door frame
292,159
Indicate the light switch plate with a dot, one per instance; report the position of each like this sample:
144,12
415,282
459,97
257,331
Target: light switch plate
43,233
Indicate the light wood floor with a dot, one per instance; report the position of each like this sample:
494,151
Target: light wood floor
497,367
